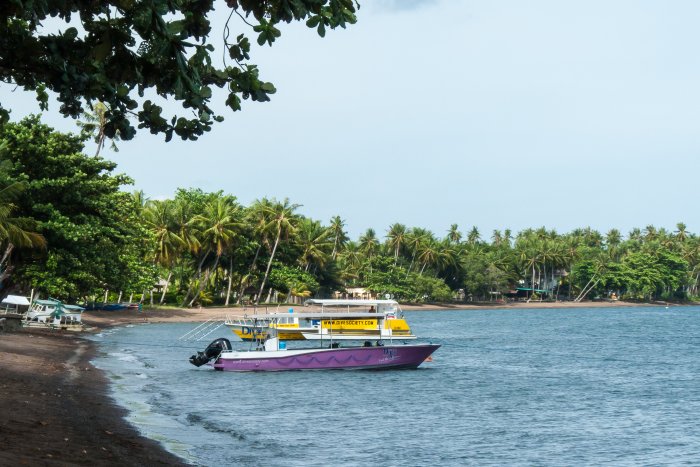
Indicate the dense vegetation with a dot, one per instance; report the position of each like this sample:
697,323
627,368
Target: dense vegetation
69,229
129,56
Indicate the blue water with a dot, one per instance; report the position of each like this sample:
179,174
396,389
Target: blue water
518,387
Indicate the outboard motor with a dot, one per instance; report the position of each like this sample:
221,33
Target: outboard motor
212,351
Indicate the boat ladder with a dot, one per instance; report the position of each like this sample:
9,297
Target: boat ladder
202,331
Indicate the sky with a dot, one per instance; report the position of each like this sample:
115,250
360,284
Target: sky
492,113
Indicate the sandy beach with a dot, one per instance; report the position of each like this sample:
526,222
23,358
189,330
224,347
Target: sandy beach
56,409
181,315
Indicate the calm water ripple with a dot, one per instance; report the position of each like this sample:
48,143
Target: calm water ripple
517,387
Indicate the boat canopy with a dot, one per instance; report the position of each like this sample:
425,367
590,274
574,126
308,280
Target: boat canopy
47,302
340,302
57,303
319,315
16,300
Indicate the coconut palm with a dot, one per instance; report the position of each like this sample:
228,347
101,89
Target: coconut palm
218,227
474,236
159,218
15,232
94,124
414,239
453,234
315,241
396,239
369,243
350,262
282,221
338,234
496,238
681,232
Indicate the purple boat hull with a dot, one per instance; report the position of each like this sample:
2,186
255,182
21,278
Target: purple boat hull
351,358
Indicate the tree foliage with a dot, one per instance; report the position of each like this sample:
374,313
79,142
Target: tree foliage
208,248
93,234
127,53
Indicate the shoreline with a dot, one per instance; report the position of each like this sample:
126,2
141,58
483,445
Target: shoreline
100,319
57,406
57,410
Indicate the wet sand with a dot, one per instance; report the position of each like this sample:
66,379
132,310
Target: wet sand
55,409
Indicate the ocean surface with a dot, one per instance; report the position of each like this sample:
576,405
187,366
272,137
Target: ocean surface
616,386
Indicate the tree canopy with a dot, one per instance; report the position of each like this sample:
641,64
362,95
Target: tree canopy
94,236
127,54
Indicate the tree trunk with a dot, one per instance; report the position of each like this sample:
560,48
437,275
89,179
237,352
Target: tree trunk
165,288
203,283
230,279
6,271
199,276
269,264
250,274
583,294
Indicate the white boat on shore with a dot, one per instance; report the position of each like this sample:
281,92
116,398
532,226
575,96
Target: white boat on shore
54,313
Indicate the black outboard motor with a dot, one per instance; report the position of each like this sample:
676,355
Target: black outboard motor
212,351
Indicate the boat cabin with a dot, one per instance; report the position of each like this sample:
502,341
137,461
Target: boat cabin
53,312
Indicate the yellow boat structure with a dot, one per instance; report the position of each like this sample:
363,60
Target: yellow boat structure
336,319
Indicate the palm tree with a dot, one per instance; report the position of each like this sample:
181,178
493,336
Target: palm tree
350,262
14,231
681,232
453,234
337,232
94,125
650,233
219,226
369,243
414,239
282,222
396,238
507,236
496,238
258,218
159,219
314,241
474,236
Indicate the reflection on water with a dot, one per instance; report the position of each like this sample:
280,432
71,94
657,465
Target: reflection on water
516,387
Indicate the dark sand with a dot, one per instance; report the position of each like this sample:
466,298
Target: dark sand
55,409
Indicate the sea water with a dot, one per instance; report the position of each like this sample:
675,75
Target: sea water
581,386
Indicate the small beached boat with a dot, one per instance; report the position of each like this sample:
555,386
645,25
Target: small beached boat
272,354
53,313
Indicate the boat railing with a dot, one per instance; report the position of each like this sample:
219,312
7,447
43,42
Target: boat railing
202,330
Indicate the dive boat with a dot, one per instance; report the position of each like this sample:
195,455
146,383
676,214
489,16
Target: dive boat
383,320
272,354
